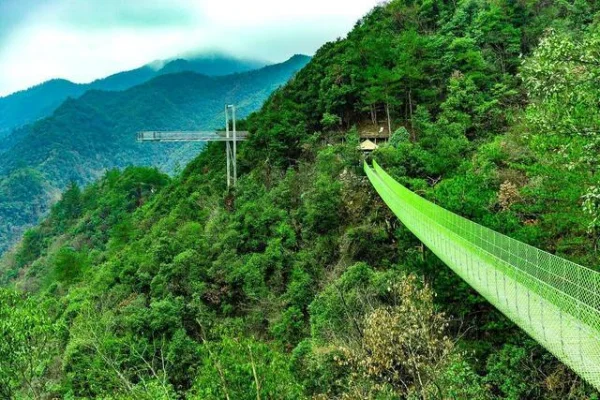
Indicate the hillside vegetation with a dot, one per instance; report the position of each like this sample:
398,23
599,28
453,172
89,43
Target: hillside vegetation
300,283
87,136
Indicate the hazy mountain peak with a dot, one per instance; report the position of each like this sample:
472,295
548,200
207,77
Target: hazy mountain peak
26,106
210,64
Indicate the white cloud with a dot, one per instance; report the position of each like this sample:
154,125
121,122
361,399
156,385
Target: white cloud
84,40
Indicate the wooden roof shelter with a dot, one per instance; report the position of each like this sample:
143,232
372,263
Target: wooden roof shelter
368,145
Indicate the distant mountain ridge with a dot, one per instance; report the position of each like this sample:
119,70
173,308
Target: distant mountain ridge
86,136
40,101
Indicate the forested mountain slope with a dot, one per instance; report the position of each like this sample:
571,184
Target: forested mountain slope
300,283
86,136
29,105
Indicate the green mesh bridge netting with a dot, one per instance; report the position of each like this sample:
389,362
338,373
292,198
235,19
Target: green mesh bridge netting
555,301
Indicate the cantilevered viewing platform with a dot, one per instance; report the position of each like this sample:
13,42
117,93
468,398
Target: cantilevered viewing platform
191,136
230,136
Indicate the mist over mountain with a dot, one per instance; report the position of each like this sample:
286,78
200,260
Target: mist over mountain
29,105
86,136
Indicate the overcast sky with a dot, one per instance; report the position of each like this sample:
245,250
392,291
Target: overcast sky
82,40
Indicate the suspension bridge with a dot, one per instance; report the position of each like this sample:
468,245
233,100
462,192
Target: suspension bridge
555,301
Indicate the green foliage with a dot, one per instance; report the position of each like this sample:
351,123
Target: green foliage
339,307
28,345
290,329
322,207
506,371
293,284
244,369
68,265
330,121
401,135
